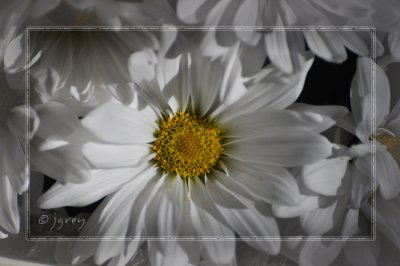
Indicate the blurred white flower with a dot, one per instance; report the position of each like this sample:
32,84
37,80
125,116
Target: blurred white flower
286,48
13,118
195,160
80,62
387,128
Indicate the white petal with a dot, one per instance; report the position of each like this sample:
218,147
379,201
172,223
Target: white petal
13,161
57,121
65,163
207,78
280,148
203,215
387,217
120,124
388,173
102,183
111,218
319,221
142,65
286,50
187,10
247,15
176,255
327,45
361,97
333,111
247,221
325,176
394,43
273,184
164,213
222,191
306,203
255,123
318,253
358,41
17,121
360,183
350,223
14,56
271,89
9,215
393,119
110,156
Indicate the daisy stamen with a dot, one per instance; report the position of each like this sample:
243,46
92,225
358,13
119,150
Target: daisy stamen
392,144
187,145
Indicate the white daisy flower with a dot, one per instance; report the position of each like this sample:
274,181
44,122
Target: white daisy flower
386,133
195,160
286,48
82,60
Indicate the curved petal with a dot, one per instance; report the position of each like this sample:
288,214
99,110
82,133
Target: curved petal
325,176
270,89
120,124
361,97
286,50
327,45
57,121
17,121
306,204
65,163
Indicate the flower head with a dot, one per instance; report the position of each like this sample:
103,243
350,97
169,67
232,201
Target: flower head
196,158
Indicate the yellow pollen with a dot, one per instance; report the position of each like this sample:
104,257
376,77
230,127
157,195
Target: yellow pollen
187,145
392,145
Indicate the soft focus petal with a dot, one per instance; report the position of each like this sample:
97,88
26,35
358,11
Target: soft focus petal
325,176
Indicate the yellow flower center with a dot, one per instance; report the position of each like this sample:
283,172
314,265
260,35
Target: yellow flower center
392,144
187,145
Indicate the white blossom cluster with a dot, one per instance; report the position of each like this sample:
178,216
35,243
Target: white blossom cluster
173,132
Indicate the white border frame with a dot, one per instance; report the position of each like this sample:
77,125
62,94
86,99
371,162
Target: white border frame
202,28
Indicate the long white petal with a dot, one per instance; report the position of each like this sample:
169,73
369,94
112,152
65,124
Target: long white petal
275,185
204,217
255,123
120,124
319,221
280,148
111,156
101,184
270,89
388,173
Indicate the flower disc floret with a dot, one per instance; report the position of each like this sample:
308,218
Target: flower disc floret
187,145
392,144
